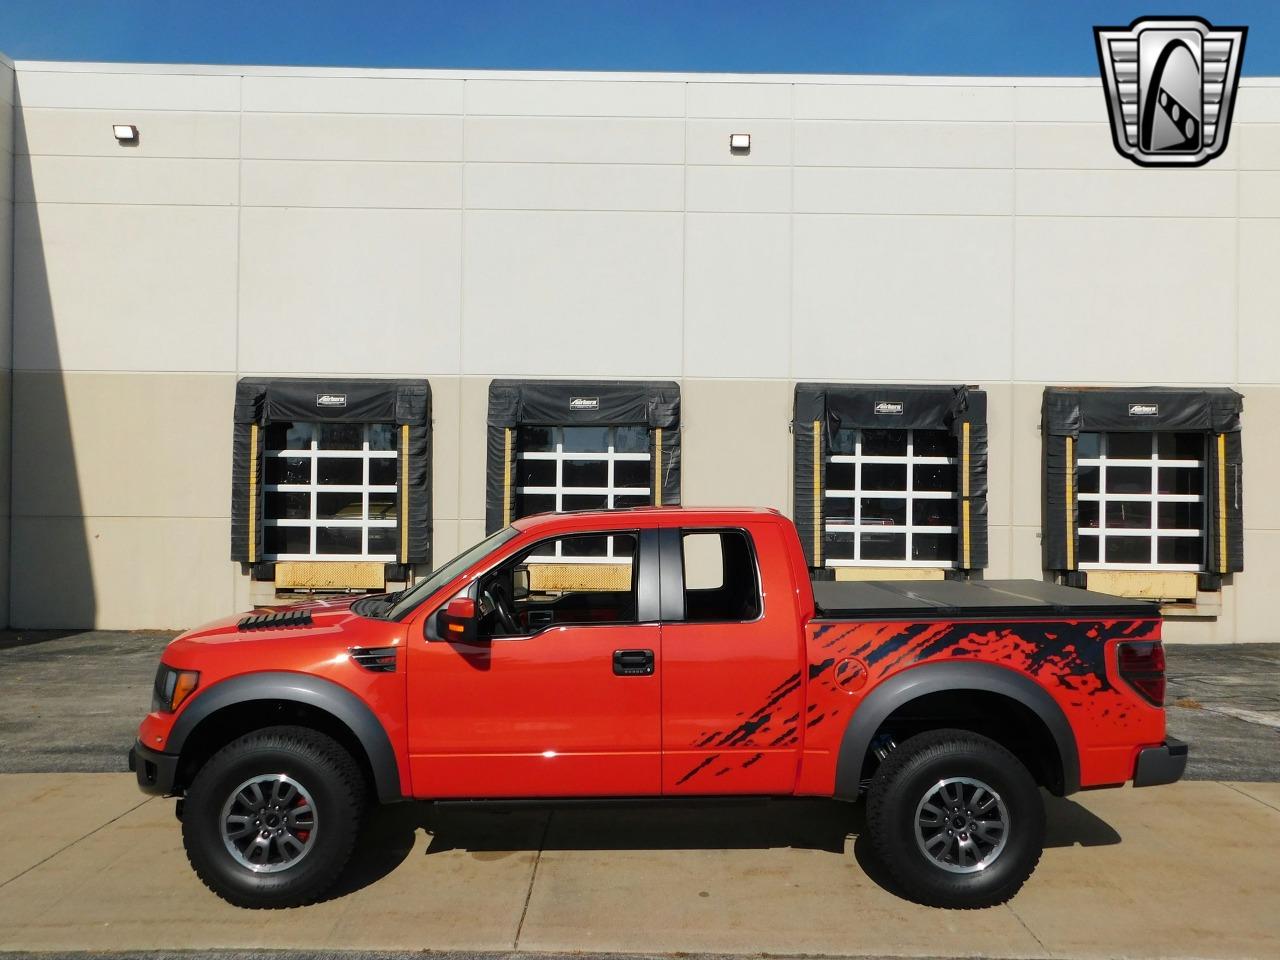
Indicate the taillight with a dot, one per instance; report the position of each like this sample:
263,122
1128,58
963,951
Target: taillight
1142,667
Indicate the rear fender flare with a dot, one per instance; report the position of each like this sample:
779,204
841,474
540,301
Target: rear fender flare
335,700
901,688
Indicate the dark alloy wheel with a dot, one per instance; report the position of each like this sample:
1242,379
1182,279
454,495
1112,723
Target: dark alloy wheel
956,819
272,818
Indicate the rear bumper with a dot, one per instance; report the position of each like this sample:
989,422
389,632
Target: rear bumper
156,771
1163,764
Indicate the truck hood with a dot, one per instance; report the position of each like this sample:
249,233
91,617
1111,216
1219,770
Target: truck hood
328,617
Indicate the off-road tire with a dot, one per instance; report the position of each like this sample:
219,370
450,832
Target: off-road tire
316,762
905,779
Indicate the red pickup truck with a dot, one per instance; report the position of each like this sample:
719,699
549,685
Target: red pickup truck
657,652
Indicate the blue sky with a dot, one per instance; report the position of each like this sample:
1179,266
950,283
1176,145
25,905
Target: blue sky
1033,37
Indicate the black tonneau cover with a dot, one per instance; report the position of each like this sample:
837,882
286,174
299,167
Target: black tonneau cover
963,600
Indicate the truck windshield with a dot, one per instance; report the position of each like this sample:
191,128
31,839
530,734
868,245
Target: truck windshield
439,577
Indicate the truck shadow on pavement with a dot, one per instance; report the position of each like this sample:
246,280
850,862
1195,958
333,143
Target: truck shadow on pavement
494,831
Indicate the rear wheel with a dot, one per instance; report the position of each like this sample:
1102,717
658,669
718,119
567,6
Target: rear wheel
956,819
272,818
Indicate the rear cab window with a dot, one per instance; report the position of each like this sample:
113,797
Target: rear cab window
721,577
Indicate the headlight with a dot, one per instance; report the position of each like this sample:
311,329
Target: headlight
172,688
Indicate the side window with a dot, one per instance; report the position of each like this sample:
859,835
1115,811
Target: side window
721,582
583,579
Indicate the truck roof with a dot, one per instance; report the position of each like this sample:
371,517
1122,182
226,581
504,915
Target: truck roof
642,516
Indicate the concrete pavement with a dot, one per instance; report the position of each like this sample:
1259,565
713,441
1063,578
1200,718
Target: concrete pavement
1183,871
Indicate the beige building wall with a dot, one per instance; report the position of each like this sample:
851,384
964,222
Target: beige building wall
466,226
6,319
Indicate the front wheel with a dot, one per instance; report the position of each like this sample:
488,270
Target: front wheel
272,818
956,819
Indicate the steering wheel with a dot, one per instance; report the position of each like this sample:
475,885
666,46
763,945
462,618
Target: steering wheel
496,593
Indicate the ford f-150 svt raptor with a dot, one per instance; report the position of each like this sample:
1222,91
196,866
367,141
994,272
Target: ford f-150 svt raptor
657,652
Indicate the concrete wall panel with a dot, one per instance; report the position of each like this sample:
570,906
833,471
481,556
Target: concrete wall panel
999,562
349,136
127,180
470,532
1071,104
351,95
580,294
1125,300
6,284
7,117
1259,292
340,183
881,190
444,539
895,144
1261,442
575,98
472,415
882,101
723,464
445,478
1260,193
750,101
1257,145
106,287
574,140
737,305
1025,462
1069,146
161,133
122,445
574,186
1253,591
79,90
738,189
902,298
362,291
1127,193
1257,103
138,572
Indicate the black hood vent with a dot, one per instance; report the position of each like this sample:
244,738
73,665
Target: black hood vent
276,621
377,659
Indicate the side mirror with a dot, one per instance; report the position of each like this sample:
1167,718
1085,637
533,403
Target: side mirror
457,621
520,583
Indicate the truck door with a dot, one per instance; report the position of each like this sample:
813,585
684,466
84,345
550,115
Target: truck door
732,691
558,695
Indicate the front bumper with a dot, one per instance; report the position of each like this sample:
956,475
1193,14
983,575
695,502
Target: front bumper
156,771
1163,764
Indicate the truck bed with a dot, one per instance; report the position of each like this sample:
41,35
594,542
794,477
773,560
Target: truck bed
965,600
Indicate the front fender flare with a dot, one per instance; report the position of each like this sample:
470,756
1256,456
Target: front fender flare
333,699
940,677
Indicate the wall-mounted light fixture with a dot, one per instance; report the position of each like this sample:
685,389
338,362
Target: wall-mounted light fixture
125,132
739,142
